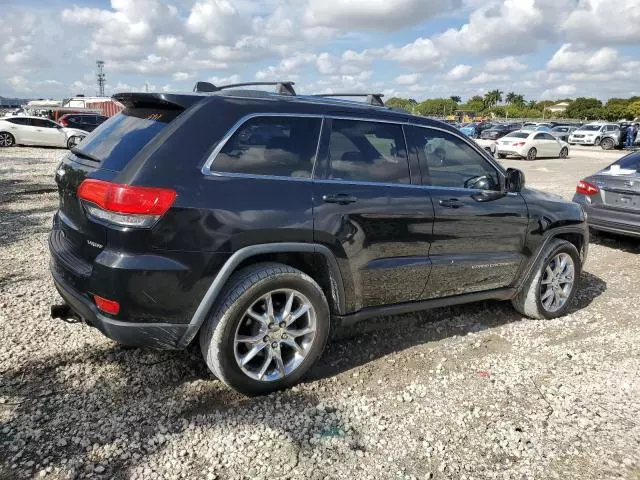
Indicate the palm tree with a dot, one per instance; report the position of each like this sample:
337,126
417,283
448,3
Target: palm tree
511,97
456,98
532,104
493,97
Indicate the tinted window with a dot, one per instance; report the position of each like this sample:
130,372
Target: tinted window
42,123
367,152
20,121
630,162
279,146
448,161
518,135
539,136
118,140
547,136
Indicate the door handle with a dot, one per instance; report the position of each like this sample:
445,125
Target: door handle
451,203
339,198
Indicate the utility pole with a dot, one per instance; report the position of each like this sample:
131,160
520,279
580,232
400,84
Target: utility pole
101,77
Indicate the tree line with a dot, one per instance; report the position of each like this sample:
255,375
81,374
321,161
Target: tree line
514,105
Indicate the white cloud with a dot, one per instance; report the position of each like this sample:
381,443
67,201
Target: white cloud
181,76
598,22
382,15
560,91
570,59
224,80
287,68
506,27
459,72
505,64
422,54
484,78
408,79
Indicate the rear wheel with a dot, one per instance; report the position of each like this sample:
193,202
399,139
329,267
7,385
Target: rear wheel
607,144
564,153
7,140
551,286
532,154
269,328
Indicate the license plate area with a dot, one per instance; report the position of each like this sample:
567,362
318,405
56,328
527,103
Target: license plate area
625,201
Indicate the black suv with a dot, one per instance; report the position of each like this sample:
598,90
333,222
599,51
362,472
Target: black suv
258,221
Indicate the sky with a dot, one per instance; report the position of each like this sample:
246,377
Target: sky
543,49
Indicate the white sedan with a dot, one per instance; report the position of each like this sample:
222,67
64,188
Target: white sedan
531,145
23,130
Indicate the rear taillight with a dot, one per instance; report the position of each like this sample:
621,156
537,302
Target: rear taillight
107,306
64,123
586,188
125,205
519,144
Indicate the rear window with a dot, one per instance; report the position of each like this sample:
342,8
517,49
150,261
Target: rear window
518,134
121,137
630,162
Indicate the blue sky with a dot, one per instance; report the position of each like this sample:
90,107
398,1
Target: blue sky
544,49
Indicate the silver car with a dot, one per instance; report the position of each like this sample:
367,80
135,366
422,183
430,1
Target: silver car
611,197
562,132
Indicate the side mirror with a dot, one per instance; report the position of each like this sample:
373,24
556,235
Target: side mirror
514,181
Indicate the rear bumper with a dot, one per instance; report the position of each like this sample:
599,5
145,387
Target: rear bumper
157,335
609,220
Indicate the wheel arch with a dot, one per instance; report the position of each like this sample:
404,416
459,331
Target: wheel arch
576,235
315,260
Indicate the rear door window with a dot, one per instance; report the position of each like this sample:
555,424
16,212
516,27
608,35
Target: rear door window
367,152
273,146
123,136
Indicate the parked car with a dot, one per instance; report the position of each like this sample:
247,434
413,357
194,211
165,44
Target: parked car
488,137
611,197
469,129
24,130
82,121
562,132
531,145
617,138
257,248
592,133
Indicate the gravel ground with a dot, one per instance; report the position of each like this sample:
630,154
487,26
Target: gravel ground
468,392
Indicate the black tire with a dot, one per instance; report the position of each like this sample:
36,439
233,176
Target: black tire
564,153
244,288
73,141
7,140
532,154
528,301
502,155
607,144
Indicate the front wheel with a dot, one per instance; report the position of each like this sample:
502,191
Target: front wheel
532,154
73,141
269,328
564,153
7,140
597,142
551,286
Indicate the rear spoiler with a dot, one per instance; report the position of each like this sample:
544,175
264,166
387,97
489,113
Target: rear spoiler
169,101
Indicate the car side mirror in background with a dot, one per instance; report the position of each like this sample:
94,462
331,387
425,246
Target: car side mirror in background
514,181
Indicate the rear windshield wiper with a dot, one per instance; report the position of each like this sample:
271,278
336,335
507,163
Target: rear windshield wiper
82,154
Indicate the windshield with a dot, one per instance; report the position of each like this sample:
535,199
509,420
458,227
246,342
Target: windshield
517,135
560,129
591,128
119,139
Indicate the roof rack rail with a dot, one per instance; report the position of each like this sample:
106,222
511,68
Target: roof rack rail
284,88
372,98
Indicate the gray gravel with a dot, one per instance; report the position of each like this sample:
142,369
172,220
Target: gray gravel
460,393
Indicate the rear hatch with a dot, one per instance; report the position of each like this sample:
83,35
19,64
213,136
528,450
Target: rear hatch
102,155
